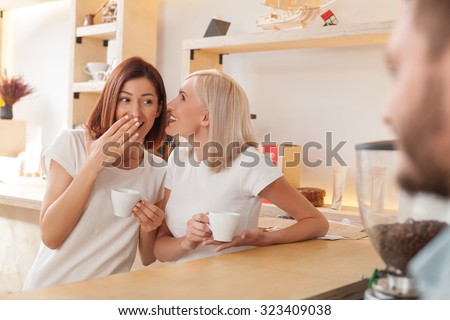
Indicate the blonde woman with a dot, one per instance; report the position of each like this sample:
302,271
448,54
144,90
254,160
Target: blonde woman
222,170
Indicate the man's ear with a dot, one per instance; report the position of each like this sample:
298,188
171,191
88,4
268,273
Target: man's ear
205,118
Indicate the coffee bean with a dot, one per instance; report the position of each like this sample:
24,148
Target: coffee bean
398,243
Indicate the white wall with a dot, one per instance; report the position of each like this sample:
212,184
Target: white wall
297,95
36,45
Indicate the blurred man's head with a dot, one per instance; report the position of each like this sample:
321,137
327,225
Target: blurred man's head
419,111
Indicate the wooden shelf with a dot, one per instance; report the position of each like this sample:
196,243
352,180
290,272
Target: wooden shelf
205,53
88,86
331,36
104,31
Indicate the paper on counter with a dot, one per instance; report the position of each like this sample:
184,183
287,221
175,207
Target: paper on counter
346,231
337,230
330,237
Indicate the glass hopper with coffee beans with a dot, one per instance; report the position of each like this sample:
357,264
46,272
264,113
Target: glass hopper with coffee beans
398,224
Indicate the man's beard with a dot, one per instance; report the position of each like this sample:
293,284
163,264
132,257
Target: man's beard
422,170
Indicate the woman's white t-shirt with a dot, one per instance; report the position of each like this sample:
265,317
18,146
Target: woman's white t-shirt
101,243
197,189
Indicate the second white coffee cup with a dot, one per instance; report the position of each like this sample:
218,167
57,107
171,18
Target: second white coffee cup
124,200
223,225
91,68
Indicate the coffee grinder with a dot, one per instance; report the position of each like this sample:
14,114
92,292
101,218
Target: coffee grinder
398,224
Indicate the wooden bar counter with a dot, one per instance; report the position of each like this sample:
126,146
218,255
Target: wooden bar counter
20,203
317,269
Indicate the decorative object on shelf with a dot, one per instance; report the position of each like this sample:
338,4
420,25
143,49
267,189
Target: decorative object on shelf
109,11
217,27
329,18
290,14
89,18
6,112
11,90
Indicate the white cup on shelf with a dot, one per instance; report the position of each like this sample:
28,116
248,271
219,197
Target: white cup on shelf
100,76
97,70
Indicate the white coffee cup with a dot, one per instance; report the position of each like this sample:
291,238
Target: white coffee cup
92,69
100,76
124,200
223,225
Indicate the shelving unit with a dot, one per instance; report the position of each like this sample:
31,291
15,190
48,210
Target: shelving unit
205,53
133,33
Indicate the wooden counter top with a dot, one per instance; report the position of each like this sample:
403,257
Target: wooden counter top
24,193
291,271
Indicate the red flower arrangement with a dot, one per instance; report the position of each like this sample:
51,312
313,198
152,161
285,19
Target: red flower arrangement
13,89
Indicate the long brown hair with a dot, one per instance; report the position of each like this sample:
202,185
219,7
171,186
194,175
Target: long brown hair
103,115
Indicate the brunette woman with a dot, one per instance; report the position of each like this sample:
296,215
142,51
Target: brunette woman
81,237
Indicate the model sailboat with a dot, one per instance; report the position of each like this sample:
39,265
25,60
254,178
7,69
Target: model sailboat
290,14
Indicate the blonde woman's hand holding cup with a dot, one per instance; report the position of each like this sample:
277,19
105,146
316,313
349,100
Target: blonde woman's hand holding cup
197,231
254,237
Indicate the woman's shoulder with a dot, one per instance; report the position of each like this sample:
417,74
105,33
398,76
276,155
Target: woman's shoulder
70,134
68,149
252,158
69,138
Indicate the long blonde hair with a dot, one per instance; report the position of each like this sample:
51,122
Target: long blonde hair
230,130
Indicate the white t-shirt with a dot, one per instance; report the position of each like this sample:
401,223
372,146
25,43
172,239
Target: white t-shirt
197,189
101,243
